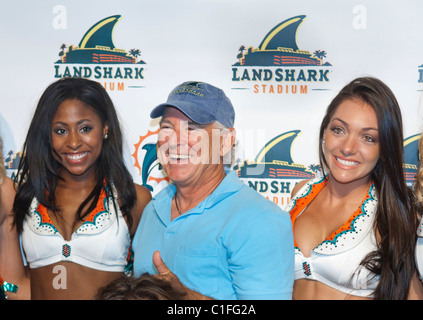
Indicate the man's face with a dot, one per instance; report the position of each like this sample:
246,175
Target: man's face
187,151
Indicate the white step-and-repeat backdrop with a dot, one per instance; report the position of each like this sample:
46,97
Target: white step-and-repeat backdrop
280,62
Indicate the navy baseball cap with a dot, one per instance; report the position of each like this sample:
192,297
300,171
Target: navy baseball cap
201,102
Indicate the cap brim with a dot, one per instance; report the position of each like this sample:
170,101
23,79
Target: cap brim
159,110
186,110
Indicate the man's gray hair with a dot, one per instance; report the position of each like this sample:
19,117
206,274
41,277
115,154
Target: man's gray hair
229,158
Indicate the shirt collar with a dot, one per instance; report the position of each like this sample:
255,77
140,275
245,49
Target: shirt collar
163,200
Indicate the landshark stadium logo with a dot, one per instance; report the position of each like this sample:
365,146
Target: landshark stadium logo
273,173
11,163
411,158
279,66
96,57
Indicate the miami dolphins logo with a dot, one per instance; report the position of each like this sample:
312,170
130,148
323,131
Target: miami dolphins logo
149,167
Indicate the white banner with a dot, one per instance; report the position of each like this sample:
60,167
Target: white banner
280,62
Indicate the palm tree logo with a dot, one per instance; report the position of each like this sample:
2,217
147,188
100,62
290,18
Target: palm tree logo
315,168
320,54
62,50
135,53
240,54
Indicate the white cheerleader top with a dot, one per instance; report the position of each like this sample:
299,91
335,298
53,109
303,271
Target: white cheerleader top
336,261
102,242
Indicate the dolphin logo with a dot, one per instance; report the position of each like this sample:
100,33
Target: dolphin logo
147,164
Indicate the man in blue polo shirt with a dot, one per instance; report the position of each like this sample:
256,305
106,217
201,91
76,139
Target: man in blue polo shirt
220,238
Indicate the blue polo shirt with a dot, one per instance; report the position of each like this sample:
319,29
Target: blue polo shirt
234,245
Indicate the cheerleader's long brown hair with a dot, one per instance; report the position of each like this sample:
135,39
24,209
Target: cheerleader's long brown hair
396,219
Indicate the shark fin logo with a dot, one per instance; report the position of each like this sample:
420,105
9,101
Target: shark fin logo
97,57
278,65
273,173
279,48
97,47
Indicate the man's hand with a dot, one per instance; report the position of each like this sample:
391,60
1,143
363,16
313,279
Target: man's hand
167,275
